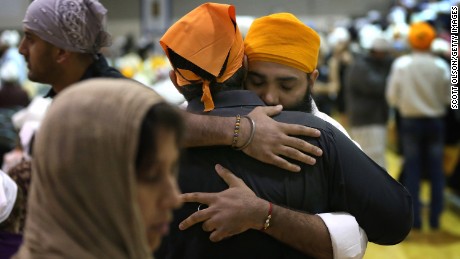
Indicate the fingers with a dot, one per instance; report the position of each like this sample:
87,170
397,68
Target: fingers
299,130
199,197
295,154
208,226
300,146
228,176
195,218
267,110
218,235
283,163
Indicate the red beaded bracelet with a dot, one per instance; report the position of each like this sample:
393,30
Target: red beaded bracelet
267,220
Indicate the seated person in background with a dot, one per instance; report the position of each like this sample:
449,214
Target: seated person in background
12,98
107,189
21,176
10,201
343,179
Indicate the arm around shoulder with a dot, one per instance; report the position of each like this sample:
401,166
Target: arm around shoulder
381,205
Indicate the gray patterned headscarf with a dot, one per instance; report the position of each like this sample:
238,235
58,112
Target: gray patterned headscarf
73,25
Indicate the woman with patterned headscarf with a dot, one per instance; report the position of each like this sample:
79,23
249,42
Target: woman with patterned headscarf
105,190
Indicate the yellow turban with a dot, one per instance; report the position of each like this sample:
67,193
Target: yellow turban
421,35
207,37
284,39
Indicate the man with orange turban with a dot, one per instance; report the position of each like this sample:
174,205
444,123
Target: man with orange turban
418,86
276,197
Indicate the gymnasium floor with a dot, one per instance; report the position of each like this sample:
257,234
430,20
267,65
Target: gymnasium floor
426,244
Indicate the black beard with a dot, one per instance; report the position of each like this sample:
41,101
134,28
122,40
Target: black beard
303,105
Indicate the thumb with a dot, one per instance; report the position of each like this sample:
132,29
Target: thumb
228,176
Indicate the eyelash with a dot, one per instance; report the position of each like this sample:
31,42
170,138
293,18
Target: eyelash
257,82
286,88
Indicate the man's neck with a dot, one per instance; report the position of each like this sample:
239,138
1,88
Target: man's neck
228,98
72,74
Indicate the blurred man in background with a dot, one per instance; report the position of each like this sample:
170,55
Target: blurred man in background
366,107
418,86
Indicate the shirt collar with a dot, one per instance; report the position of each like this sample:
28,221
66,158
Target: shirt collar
227,99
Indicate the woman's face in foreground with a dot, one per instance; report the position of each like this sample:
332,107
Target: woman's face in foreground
158,192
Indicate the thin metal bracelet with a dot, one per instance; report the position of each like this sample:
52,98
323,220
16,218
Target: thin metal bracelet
251,136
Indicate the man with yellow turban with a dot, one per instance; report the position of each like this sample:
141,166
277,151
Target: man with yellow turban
419,87
282,55
274,198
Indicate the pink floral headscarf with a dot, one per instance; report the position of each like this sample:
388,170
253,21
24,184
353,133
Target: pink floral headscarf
74,25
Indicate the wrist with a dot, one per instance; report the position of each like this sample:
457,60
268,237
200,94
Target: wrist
245,134
267,221
260,214
237,131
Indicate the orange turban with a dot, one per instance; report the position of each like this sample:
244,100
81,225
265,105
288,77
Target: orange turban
421,35
284,39
206,37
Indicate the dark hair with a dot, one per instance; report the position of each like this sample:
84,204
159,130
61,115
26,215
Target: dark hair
161,115
194,89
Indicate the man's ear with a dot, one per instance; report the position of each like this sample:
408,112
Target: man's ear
173,77
62,55
312,79
314,75
245,67
245,62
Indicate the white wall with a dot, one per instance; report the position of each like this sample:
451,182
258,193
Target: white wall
11,13
124,16
297,7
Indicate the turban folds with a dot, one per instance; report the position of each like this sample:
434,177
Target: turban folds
73,25
207,37
421,35
284,39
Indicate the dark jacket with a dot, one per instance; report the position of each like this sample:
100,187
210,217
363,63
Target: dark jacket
343,179
365,85
9,244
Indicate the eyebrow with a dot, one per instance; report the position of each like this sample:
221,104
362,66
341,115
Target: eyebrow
29,34
286,78
252,73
